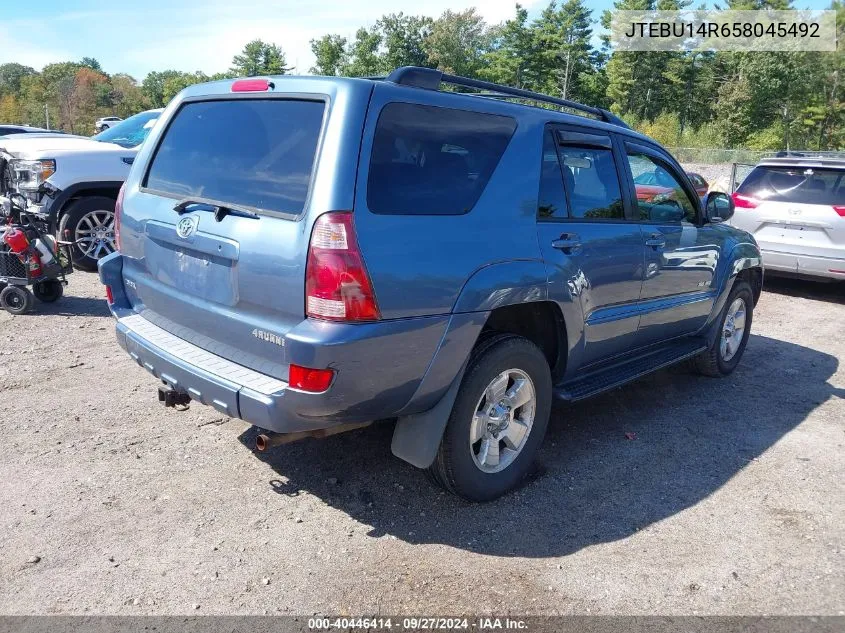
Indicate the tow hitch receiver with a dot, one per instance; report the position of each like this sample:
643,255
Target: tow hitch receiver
172,398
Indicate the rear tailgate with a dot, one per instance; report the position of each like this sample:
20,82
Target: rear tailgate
218,211
800,229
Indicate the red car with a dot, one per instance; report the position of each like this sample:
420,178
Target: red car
647,193
701,185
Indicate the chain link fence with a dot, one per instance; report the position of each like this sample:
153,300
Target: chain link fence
717,156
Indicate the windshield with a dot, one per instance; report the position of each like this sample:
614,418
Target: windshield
131,132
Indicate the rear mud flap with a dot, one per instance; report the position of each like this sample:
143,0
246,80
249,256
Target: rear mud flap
416,438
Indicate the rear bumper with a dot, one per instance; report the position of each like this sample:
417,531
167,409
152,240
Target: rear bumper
382,369
362,390
233,390
797,264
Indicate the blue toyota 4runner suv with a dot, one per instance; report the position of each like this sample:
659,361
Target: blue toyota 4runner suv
313,253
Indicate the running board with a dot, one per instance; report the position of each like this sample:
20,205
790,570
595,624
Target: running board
624,372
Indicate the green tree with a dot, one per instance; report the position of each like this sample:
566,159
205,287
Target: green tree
33,99
10,109
174,85
363,59
126,96
259,58
10,77
153,86
564,50
91,63
646,84
458,42
402,37
511,53
734,111
329,55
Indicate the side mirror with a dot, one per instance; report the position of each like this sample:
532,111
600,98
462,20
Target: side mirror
718,207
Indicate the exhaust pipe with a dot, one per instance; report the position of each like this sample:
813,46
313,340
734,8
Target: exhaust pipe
269,439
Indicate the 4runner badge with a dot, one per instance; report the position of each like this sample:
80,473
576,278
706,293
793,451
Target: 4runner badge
187,226
269,337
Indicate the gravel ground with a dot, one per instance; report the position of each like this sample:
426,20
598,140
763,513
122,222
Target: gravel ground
730,499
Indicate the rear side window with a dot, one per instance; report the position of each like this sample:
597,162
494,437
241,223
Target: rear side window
591,175
808,185
552,201
433,161
255,153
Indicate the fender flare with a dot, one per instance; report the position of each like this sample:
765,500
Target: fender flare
63,196
417,435
501,284
744,256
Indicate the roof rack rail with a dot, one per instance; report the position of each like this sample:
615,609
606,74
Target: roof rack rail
833,155
431,78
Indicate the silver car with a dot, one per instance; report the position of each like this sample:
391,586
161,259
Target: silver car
794,206
106,122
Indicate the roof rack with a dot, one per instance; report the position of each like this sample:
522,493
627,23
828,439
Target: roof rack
431,78
806,154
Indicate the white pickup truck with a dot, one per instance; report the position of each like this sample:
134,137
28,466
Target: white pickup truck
74,181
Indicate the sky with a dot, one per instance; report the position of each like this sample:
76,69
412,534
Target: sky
138,36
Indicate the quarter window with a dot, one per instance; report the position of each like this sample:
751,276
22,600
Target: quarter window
433,161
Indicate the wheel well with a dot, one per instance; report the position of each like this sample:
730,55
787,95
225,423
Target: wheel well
540,322
754,277
107,191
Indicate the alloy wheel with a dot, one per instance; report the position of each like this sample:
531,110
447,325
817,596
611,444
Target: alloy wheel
94,234
502,420
732,330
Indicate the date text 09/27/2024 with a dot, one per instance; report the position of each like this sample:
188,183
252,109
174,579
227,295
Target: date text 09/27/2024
418,623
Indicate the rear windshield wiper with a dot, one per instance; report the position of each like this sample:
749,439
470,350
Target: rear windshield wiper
218,210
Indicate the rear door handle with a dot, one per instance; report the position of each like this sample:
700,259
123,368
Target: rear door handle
568,243
656,240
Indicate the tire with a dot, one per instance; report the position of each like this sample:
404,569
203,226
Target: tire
465,467
82,219
16,300
48,291
713,361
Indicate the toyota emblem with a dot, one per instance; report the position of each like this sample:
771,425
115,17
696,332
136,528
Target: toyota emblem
187,226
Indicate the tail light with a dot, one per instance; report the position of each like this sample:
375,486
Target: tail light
109,295
744,202
840,210
118,212
306,379
337,286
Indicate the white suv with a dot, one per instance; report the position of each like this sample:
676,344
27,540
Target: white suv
74,181
794,206
106,122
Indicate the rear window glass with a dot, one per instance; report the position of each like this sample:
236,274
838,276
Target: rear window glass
433,161
807,185
256,153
